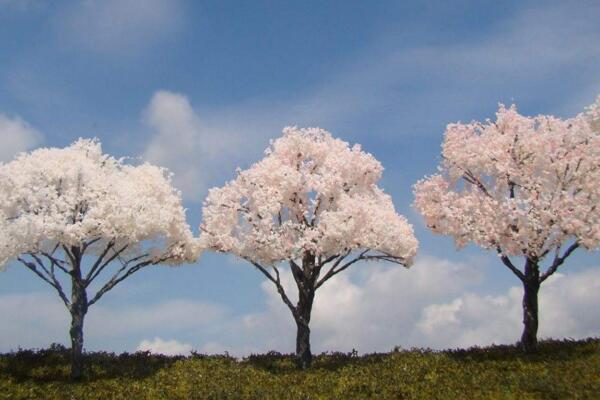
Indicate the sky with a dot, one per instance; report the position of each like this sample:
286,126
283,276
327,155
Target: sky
200,87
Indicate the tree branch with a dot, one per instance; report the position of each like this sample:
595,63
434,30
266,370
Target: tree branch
333,271
276,280
558,261
40,263
59,288
116,278
68,253
469,177
328,260
55,261
386,257
99,265
48,279
296,271
506,261
284,296
32,267
88,244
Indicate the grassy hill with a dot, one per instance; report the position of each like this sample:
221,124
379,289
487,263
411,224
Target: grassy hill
561,370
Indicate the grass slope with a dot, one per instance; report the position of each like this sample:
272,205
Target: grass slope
561,370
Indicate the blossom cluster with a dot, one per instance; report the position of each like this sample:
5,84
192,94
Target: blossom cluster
522,185
310,193
79,195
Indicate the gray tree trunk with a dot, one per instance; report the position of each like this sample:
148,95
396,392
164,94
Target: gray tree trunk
531,286
303,352
79,307
305,280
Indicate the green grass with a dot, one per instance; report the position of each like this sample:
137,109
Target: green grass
560,370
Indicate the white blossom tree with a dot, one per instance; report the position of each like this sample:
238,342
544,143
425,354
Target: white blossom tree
312,204
525,187
75,216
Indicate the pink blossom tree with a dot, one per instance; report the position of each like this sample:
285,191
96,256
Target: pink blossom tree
312,204
71,214
525,187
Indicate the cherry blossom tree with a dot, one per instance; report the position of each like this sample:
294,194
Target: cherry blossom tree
75,216
525,187
312,204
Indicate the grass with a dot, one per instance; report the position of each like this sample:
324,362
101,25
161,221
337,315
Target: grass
560,370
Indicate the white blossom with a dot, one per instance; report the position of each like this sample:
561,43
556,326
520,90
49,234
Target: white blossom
78,195
310,193
521,185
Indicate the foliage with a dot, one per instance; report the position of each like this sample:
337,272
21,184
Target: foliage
312,203
69,214
523,186
311,193
54,199
561,369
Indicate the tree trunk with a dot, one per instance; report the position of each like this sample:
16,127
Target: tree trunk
76,332
79,306
303,353
305,280
531,286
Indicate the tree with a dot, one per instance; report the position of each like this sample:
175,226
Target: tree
312,203
526,187
74,213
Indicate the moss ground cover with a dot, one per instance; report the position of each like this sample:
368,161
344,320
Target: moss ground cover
560,370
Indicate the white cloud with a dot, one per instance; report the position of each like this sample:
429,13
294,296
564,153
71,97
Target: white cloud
16,135
565,304
400,91
171,316
118,25
394,91
166,347
369,308
375,308
390,91
35,320
194,152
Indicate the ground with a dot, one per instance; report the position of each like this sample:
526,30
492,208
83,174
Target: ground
560,370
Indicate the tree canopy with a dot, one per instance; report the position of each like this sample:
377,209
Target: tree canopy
311,193
520,185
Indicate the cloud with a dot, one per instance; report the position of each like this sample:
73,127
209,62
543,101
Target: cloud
35,320
398,90
375,308
471,319
194,152
172,316
166,347
369,308
120,26
16,135
391,90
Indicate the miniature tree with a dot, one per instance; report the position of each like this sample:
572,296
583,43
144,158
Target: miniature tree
525,187
312,203
74,213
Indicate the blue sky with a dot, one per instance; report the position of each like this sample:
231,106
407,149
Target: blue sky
201,87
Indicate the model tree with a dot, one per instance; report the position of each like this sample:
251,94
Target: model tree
526,187
76,217
313,205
